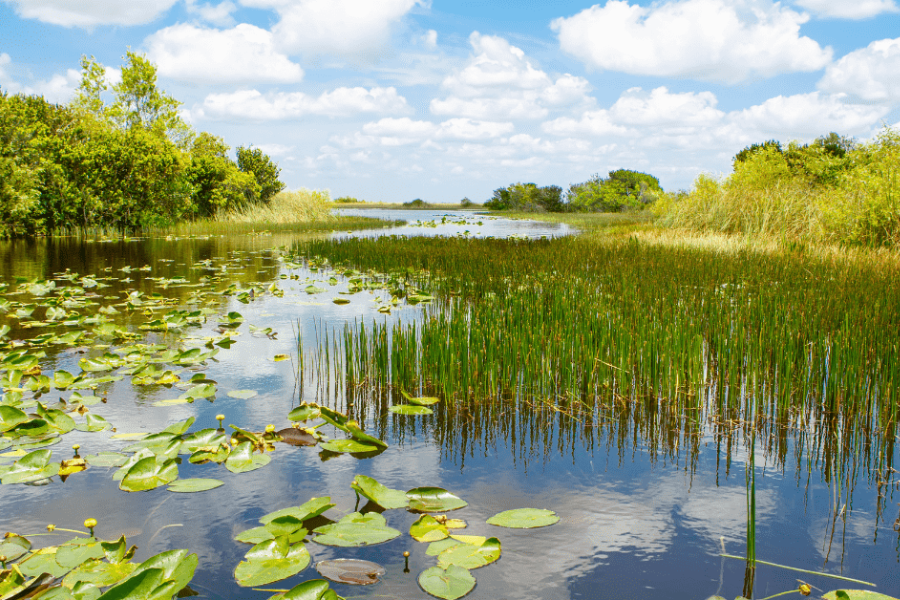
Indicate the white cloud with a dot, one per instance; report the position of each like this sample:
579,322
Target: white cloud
403,127
220,14
869,73
714,40
275,149
843,9
660,107
467,129
58,89
243,54
590,123
429,40
341,102
357,30
89,13
805,116
499,82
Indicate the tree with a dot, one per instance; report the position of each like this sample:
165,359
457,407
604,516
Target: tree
623,189
254,162
217,181
749,151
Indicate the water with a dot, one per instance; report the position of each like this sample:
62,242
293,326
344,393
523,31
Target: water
645,512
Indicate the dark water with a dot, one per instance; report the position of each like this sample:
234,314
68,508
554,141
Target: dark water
646,508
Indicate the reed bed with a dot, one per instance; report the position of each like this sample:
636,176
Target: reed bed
739,342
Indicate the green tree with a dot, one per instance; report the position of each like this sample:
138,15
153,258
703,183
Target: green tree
256,163
622,190
217,181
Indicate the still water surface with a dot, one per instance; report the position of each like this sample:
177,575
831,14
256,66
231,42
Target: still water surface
644,513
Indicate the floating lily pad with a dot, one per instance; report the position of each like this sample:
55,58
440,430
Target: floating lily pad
149,473
76,551
347,446
242,394
33,466
341,300
471,556
428,529
242,459
524,518
450,583
356,529
315,589
93,423
378,493
410,409
309,509
305,412
350,571
271,561
194,485
42,561
433,499
422,400
856,595
14,546
205,438
297,437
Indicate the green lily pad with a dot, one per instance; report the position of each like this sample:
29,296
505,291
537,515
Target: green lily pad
257,535
340,300
350,571
353,428
427,529
420,401
315,589
194,485
14,546
856,595
99,573
177,566
271,561
106,459
433,499
356,529
11,417
33,466
471,556
93,423
524,518
346,446
379,494
410,409
205,438
241,459
42,561
309,509
305,412
76,551
216,454
149,473
449,584
242,394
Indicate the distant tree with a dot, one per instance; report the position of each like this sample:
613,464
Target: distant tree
749,151
218,183
622,190
465,202
835,144
417,203
255,162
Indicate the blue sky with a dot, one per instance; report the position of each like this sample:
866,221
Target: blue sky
392,100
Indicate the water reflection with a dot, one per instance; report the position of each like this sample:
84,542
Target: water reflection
647,495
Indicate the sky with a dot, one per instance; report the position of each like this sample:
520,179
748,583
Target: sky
393,100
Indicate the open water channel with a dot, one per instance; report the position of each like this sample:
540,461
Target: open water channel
641,516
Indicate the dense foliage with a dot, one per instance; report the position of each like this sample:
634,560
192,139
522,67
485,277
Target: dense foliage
127,165
833,190
527,197
622,190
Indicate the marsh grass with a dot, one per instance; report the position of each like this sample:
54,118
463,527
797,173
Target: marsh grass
297,206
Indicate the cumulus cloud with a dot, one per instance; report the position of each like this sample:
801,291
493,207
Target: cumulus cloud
842,9
357,30
590,123
807,115
869,73
467,129
59,88
243,54
219,14
429,40
90,13
712,40
661,107
341,102
498,81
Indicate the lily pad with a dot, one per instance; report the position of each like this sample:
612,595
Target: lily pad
471,556
450,583
194,485
76,551
350,571
242,459
422,400
524,518
856,595
315,589
14,546
356,529
33,466
297,437
271,561
242,394
346,446
433,499
428,529
149,473
305,412
309,509
410,409
93,423
378,493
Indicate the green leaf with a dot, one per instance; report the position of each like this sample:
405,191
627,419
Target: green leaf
358,434
356,529
56,419
241,459
346,446
450,583
194,485
433,499
149,473
379,494
177,566
407,409
314,589
106,459
76,551
242,394
93,423
14,546
421,401
33,466
99,573
271,561
305,412
11,417
427,529
42,561
470,556
203,390
205,438
435,548
180,427
142,585
350,571
856,595
257,535
309,509
524,518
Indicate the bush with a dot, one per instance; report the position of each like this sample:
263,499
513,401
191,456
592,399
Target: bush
622,190
417,203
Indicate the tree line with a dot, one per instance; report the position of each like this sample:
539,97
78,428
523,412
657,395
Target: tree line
127,165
